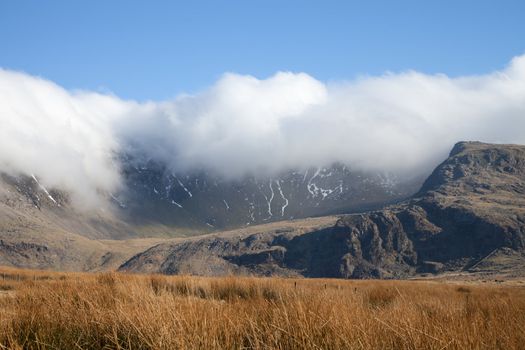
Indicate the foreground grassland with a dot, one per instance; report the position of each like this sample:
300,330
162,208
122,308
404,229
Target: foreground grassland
41,310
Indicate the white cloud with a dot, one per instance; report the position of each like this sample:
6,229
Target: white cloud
403,122
63,138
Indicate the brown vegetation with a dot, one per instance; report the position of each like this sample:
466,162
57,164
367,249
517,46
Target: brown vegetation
44,310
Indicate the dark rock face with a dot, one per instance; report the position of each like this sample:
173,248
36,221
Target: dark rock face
204,200
471,206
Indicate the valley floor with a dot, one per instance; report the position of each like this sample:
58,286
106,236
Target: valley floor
51,310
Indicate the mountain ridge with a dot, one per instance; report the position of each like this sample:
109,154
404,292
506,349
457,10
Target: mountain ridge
471,206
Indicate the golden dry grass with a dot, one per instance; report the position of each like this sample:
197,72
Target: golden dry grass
43,310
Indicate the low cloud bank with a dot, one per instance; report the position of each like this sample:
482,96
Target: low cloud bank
403,123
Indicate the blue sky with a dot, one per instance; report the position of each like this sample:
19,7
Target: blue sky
158,49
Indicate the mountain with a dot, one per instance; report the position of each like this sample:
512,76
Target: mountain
40,228
469,215
206,201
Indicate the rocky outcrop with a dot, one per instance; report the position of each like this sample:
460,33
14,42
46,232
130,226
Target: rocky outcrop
471,206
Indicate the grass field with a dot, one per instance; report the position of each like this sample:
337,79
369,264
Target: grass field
44,310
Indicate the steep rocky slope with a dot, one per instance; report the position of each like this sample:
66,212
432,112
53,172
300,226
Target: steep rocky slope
203,200
470,210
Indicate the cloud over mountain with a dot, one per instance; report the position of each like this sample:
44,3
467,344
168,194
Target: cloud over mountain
403,123
64,138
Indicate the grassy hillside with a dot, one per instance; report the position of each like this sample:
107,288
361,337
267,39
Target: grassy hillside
43,310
